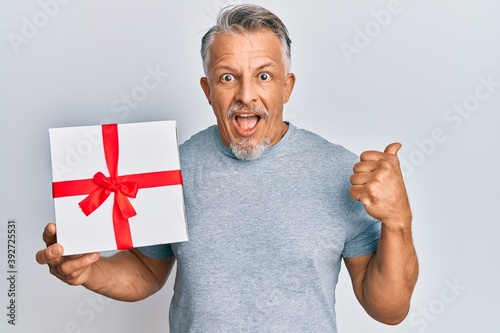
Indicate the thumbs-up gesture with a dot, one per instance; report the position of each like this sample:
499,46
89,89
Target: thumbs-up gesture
378,183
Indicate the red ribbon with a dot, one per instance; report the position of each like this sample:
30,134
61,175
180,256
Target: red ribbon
100,187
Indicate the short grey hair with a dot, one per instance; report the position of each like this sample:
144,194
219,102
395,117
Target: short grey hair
244,19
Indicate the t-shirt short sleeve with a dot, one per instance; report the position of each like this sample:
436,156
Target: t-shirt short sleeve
363,233
161,251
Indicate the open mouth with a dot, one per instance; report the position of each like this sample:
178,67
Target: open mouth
246,123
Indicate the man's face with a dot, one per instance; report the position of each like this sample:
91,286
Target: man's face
246,85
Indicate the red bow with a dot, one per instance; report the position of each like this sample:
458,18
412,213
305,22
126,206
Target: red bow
106,186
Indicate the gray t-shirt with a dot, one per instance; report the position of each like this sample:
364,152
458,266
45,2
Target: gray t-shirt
266,237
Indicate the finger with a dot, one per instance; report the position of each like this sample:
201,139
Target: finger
365,193
358,193
73,265
361,178
50,254
365,166
49,234
374,155
75,278
371,155
393,148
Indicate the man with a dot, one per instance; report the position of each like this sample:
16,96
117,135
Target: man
270,209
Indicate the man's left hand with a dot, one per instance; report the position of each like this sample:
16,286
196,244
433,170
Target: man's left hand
378,183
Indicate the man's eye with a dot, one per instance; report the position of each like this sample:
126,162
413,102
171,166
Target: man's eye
227,78
264,76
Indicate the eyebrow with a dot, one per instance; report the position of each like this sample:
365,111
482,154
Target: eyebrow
267,65
223,67
263,66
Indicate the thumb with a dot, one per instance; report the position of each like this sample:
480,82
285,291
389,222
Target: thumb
393,148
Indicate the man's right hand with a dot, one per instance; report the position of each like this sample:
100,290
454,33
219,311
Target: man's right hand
74,270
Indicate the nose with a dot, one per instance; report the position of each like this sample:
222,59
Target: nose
247,91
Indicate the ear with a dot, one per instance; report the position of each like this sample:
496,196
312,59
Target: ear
206,88
288,87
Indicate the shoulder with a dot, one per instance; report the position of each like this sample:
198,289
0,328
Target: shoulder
198,143
316,147
202,136
202,147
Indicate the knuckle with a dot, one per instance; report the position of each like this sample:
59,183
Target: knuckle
371,188
379,177
385,164
65,268
392,161
74,275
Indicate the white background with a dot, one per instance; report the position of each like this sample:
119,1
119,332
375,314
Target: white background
84,56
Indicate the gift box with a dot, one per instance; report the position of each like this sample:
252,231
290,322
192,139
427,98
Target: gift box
116,187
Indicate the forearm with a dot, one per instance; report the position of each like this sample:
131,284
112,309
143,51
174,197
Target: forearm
124,277
391,276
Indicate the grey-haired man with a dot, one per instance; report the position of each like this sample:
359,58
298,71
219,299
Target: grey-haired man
271,209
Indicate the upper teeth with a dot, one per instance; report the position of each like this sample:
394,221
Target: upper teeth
246,115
